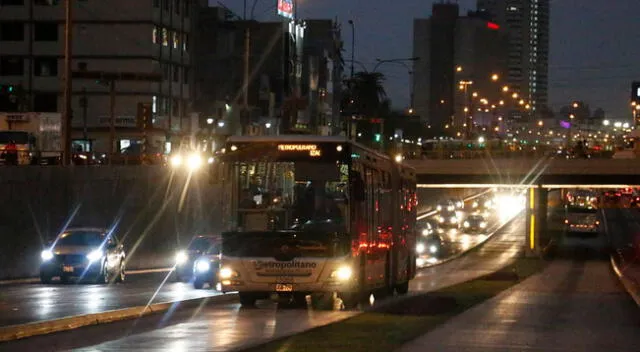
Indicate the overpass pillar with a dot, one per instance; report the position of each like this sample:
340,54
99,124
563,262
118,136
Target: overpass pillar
536,213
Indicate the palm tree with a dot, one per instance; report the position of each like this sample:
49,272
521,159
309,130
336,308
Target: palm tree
366,95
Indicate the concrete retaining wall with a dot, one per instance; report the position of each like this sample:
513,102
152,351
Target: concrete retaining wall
145,203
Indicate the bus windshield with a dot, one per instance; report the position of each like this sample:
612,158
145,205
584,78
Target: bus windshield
16,136
286,195
285,245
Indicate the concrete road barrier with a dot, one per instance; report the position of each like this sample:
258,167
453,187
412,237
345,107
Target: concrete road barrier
21,331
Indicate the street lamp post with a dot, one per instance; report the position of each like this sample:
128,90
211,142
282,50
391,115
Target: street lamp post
353,45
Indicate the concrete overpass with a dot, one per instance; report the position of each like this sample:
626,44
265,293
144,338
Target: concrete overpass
537,175
554,172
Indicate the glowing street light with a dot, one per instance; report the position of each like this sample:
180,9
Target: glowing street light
575,105
475,94
495,77
505,88
515,95
459,69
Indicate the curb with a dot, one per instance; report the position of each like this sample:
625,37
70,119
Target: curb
16,332
629,285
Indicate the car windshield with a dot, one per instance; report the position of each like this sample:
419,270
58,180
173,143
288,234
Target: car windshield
81,238
200,244
294,244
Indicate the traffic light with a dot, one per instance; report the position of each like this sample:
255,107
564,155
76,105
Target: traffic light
377,137
145,116
10,98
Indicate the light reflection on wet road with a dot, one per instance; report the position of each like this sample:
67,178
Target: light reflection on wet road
25,303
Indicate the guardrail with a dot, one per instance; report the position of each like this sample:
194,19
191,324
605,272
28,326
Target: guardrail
502,154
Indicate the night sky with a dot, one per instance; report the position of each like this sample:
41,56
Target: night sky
594,44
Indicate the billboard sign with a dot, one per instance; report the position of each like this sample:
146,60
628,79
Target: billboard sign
285,8
635,91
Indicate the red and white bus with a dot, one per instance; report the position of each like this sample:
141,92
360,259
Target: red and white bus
314,215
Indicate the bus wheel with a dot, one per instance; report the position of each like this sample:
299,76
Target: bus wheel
350,300
247,299
403,288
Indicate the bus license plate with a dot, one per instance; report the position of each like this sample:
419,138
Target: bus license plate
284,288
67,268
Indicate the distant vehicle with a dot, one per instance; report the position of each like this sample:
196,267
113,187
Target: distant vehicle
426,228
627,191
206,268
482,203
445,205
635,200
448,219
611,195
430,245
458,202
475,224
84,253
581,220
185,258
37,136
582,198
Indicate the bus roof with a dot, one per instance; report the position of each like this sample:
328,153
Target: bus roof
288,138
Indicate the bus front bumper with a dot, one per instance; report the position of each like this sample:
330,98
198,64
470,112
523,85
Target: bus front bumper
284,288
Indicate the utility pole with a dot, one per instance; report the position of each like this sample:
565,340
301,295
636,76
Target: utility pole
68,88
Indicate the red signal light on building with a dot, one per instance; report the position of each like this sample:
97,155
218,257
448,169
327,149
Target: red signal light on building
493,26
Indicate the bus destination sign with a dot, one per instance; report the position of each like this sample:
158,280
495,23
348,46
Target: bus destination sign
312,149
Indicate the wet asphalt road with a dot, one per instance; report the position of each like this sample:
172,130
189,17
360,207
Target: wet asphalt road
24,303
228,327
576,304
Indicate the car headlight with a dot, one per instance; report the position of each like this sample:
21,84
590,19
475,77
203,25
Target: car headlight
420,248
176,160
95,255
46,255
202,266
433,249
343,273
453,220
181,257
439,208
451,208
194,162
466,224
441,219
483,225
426,232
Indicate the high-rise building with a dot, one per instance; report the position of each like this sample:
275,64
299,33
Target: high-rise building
461,69
113,36
527,22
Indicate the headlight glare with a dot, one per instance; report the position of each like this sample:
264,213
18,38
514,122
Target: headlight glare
181,257
420,248
225,273
433,249
466,224
95,255
176,160
343,273
194,162
46,255
202,266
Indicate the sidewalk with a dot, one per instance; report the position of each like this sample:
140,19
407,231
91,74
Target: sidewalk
570,306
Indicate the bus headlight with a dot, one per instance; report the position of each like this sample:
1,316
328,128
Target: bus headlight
176,160
420,248
343,273
227,273
194,162
46,255
181,257
202,266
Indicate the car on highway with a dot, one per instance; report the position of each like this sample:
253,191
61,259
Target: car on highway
84,253
186,258
458,202
634,202
427,227
484,203
475,224
448,220
445,205
431,245
206,267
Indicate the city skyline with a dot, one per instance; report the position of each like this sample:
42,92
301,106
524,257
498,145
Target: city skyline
585,64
